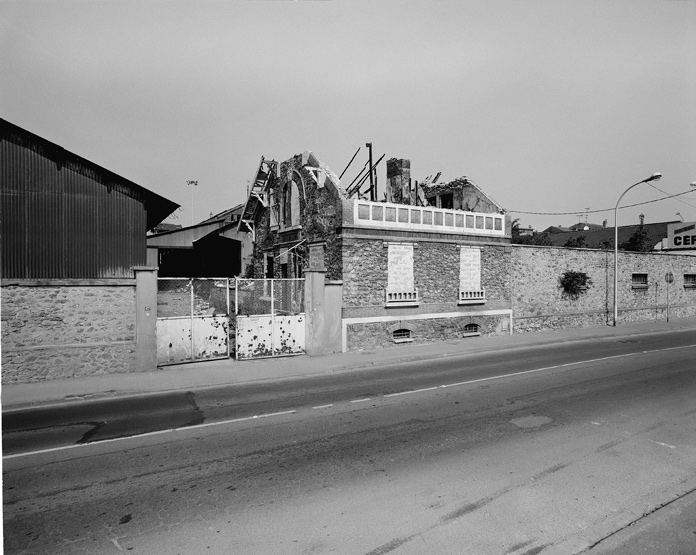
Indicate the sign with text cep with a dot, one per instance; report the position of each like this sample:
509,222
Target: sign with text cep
681,235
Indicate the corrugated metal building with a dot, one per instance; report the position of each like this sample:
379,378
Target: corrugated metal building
64,217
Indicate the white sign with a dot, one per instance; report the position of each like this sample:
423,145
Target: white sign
681,235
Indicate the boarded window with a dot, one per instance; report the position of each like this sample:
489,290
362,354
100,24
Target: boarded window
400,268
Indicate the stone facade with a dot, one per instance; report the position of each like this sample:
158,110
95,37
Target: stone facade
61,331
539,305
319,203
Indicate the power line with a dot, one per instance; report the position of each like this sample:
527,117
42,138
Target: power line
598,211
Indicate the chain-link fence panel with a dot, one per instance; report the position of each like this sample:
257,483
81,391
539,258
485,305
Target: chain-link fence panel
180,297
254,296
173,297
288,296
210,296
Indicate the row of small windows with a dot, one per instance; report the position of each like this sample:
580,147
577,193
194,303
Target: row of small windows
404,335
640,281
428,217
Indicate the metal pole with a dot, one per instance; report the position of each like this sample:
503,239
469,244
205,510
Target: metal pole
653,177
229,318
372,182
272,319
236,315
668,301
192,308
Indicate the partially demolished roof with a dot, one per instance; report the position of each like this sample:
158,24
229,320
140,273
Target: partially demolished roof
459,184
268,175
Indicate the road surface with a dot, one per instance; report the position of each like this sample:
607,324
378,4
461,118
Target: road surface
542,450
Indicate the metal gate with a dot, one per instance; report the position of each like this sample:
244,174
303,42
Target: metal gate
193,319
270,318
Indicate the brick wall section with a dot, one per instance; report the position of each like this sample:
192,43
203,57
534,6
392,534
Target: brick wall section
98,322
538,303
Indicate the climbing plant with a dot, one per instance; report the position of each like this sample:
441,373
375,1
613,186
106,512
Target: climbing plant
573,284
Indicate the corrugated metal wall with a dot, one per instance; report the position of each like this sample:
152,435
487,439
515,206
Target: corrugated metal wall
59,224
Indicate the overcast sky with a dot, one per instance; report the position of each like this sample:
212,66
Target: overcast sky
549,106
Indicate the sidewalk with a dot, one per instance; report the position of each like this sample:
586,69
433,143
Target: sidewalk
201,375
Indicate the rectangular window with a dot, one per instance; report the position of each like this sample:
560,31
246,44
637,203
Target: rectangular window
401,289
470,290
639,281
689,281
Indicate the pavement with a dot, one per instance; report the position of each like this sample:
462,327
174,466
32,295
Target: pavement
671,529
210,374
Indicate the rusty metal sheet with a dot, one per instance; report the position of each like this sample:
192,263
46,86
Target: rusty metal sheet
254,336
289,335
175,344
269,336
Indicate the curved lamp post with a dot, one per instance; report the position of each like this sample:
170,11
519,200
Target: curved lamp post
653,177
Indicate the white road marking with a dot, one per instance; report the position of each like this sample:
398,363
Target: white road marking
411,391
236,420
146,434
323,406
665,444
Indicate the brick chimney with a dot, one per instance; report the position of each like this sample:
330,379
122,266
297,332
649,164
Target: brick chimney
398,180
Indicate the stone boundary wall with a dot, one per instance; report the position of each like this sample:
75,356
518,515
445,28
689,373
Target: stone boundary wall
63,331
538,303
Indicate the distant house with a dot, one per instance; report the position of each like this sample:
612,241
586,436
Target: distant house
212,248
603,237
73,240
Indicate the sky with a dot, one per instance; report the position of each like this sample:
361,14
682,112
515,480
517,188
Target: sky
550,106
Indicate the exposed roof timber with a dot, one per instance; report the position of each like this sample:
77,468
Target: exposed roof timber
264,176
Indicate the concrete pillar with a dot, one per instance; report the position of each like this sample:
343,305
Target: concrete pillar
322,314
146,317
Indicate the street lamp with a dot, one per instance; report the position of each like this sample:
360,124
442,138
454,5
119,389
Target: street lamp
653,177
192,184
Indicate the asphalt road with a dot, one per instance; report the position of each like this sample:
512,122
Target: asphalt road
33,429
542,450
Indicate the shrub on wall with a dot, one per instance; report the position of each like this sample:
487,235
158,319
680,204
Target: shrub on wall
573,284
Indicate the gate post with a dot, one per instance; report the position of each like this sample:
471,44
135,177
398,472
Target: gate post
146,318
321,335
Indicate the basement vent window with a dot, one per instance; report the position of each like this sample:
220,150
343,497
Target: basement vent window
402,336
471,330
639,281
689,281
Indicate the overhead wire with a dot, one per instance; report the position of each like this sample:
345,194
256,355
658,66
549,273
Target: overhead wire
575,212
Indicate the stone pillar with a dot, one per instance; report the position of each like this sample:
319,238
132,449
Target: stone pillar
146,318
322,335
398,181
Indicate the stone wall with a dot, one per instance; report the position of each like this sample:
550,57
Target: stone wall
438,316
320,217
377,335
539,304
54,332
